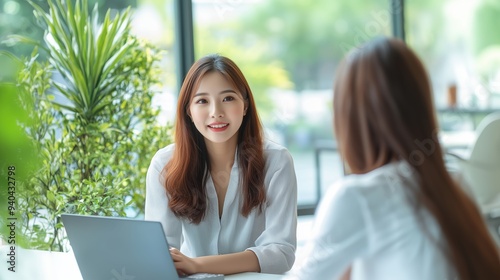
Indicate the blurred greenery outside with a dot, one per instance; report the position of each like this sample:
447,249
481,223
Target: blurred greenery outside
289,50
91,122
267,40
458,43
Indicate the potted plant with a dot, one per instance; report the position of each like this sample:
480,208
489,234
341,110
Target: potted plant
96,130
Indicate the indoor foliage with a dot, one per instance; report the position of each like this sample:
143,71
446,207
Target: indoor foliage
96,129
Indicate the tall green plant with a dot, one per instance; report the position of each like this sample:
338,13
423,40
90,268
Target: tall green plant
97,130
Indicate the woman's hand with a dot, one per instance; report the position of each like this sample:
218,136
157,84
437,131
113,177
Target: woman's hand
245,261
347,274
184,265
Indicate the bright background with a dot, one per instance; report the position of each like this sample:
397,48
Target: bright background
289,50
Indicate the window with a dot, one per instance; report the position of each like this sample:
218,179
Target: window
288,51
460,47
154,21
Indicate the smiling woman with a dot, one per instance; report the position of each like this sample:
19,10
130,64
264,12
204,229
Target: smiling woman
227,198
217,109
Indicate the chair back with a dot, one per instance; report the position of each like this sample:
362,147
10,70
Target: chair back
482,169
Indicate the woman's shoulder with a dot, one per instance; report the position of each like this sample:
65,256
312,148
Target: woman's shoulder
273,147
163,155
361,191
393,173
389,182
275,152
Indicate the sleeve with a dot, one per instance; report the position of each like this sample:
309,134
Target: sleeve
275,247
156,206
339,237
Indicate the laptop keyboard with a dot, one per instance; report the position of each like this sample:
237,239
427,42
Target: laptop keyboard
205,276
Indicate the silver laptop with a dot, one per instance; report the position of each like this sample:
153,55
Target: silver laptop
110,248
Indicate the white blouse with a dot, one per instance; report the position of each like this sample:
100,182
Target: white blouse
369,222
271,234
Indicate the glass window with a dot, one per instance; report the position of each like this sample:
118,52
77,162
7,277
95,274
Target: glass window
460,46
289,50
153,21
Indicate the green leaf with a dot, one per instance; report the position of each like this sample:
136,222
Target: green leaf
107,79
50,196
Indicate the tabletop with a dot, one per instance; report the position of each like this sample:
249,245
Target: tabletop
28,264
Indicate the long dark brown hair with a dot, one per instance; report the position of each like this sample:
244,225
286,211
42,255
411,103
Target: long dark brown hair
187,171
383,112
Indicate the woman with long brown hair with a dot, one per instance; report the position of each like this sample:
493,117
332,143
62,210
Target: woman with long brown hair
227,198
399,215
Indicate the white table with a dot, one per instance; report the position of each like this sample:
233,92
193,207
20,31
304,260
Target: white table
253,276
45,265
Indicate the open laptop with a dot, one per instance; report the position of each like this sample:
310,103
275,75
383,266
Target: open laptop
110,248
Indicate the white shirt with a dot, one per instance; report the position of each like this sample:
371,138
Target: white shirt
369,221
271,235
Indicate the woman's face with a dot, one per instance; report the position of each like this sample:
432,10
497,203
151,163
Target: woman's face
217,109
